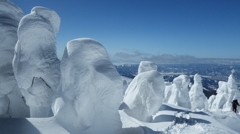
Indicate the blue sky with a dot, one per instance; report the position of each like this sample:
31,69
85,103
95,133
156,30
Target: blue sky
135,30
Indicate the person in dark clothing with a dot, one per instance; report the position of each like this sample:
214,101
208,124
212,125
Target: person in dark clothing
234,105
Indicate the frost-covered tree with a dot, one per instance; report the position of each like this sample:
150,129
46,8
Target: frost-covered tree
10,96
145,66
226,93
145,94
197,98
90,90
178,92
35,64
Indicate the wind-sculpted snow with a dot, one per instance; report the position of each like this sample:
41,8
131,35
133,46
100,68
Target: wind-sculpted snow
177,93
4,102
226,93
91,89
144,95
35,55
10,15
197,98
38,97
145,66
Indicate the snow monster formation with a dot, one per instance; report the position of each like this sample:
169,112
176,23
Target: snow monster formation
35,64
145,93
90,90
145,66
11,102
226,93
178,92
197,98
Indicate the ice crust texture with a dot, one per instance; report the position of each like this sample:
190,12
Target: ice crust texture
226,93
178,92
197,98
11,102
35,57
90,90
145,93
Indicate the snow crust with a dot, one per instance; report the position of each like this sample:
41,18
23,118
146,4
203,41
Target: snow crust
197,98
144,95
178,92
35,57
145,66
91,89
226,93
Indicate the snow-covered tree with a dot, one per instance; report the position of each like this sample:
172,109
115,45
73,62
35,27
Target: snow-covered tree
178,92
10,95
90,90
226,93
145,93
197,98
35,64
145,66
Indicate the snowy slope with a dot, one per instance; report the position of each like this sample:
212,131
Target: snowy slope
178,120
170,119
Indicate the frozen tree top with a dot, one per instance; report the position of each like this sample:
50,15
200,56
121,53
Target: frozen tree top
48,14
8,10
145,66
197,78
182,80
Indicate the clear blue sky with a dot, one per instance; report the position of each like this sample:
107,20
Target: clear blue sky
135,29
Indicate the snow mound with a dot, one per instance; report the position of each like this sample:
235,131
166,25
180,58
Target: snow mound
175,119
144,95
145,66
91,89
36,57
197,98
178,92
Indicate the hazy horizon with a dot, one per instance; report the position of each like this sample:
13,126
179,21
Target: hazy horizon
155,30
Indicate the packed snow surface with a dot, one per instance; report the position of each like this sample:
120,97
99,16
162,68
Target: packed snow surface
35,56
177,120
90,90
144,95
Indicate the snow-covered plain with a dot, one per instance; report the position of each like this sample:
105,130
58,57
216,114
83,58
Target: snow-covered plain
83,93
